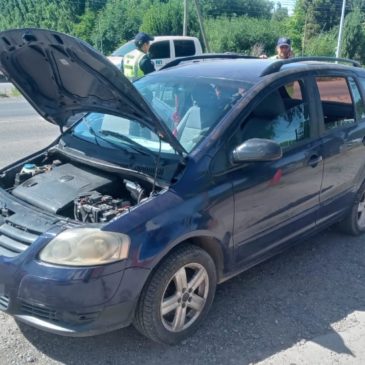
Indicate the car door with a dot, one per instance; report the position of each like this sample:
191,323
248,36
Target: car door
343,134
276,201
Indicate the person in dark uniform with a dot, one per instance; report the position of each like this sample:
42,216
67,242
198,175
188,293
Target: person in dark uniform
138,62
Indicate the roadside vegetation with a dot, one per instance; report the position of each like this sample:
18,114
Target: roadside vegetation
246,26
11,92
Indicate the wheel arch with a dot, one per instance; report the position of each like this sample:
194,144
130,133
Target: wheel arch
207,243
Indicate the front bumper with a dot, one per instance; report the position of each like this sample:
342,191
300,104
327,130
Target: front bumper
106,320
70,301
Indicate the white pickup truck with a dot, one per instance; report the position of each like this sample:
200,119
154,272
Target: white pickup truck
163,49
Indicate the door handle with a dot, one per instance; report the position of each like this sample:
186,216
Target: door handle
314,160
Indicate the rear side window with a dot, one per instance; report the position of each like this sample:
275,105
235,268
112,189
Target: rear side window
337,104
359,105
184,48
160,50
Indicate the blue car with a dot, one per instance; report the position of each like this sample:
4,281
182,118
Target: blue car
164,188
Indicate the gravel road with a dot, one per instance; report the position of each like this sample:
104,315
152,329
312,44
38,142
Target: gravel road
309,291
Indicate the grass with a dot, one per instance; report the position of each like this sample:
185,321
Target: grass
15,92
12,92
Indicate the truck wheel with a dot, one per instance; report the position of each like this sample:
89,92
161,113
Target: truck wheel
354,222
178,296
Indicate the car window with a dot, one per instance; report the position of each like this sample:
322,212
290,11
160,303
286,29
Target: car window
123,50
337,105
191,106
184,48
359,104
160,50
282,117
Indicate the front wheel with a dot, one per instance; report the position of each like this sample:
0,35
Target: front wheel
178,296
354,222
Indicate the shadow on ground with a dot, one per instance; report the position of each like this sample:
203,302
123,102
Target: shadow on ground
295,296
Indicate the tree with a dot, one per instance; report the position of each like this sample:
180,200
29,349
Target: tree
280,13
118,22
312,17
353,36
243,34
85,26
237,8
166,18
323,44
51,14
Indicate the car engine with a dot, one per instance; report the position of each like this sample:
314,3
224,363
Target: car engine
76,191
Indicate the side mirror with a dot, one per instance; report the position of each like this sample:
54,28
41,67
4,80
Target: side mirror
257,149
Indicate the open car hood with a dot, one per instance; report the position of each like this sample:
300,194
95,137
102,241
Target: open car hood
61,76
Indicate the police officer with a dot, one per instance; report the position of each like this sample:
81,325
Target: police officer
138,63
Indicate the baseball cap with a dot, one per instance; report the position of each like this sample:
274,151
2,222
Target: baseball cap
141,38
283,41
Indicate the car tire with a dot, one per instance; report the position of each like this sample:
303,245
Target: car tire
354,222
178,296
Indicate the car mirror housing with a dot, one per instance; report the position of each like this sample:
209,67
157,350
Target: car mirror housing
257,149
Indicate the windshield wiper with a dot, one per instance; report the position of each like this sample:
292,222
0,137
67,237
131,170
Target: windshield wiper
134,145
97,136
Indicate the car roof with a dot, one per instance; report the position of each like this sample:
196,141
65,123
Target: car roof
249,69
220,68
173,37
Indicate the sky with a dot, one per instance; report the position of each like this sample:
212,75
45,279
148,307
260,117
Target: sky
288,4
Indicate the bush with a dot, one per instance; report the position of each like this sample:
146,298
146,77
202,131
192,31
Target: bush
243,35
322,45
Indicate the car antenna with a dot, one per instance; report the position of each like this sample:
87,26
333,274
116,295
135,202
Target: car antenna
157,166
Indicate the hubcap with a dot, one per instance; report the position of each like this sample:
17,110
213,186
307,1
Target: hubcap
184,297
361,212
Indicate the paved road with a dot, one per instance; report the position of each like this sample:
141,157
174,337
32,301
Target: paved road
306,306
22,130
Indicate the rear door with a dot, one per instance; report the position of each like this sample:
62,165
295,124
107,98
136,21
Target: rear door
343,132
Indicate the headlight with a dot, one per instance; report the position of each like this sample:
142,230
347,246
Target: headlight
86,247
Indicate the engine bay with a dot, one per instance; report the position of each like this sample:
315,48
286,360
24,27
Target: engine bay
73,190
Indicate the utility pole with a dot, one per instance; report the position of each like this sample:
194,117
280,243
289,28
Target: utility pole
201,26
185,28
338,49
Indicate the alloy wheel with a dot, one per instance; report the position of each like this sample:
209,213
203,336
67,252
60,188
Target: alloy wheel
184,297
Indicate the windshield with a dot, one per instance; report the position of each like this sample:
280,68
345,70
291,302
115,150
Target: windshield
189,106
123,50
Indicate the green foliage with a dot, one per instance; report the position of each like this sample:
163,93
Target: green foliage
280,13
237,8
322,45
246,26
353,36
86,24
312,17
243,34
51,14
119,21
167,18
